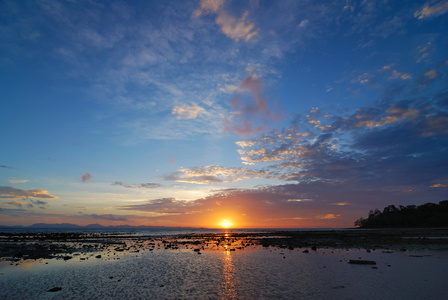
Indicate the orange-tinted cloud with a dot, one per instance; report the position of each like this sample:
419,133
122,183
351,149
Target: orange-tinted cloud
16,203
236,29
10,192
439,185
435,10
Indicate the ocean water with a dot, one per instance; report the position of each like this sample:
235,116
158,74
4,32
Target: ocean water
153,231
253,273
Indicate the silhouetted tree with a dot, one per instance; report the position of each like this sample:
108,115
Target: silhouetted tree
425,215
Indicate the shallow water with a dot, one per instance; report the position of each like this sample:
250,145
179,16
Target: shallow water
261,273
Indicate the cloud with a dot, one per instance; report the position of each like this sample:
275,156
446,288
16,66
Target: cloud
304,23
17,181
250,113
424,51
16,203
86,177
187,112
393,114
328,216
236,29
229,88
39,202
164,206
439,185
148,185
431,74
214,174
428,11
267,206
402,145
10,192
403,76
429,77
208,7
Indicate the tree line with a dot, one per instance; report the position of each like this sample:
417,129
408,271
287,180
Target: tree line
425,215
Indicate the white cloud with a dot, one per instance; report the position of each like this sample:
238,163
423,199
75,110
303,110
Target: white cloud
304,23
214,174
229,88
187,112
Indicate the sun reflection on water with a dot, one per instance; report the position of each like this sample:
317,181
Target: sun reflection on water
229,278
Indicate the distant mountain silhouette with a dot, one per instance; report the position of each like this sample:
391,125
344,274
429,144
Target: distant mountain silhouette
426,215
56,226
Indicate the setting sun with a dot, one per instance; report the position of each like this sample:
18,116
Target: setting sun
226,223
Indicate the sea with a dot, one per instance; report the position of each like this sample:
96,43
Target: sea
252,273
165,231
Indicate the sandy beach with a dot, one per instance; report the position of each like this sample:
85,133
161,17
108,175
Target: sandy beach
403,264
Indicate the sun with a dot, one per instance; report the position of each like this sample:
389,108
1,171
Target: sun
225,223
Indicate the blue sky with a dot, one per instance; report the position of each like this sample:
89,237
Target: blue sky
184,113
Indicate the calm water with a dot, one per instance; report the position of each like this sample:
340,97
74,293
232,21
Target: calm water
258,273
155,231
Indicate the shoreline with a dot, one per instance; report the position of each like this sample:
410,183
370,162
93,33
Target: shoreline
22,246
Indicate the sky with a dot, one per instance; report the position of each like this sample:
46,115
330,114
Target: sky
269,114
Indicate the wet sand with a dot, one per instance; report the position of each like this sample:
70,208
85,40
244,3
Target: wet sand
409,264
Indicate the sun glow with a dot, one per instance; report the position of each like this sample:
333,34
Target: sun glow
225,223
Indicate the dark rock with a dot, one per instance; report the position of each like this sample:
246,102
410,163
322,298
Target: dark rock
362,262
55,289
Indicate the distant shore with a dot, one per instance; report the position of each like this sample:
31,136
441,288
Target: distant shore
22,246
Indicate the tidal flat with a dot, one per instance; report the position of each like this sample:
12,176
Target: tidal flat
408,264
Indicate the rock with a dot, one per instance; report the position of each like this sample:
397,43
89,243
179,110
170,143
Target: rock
338,287
55,289
362,262
98,256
